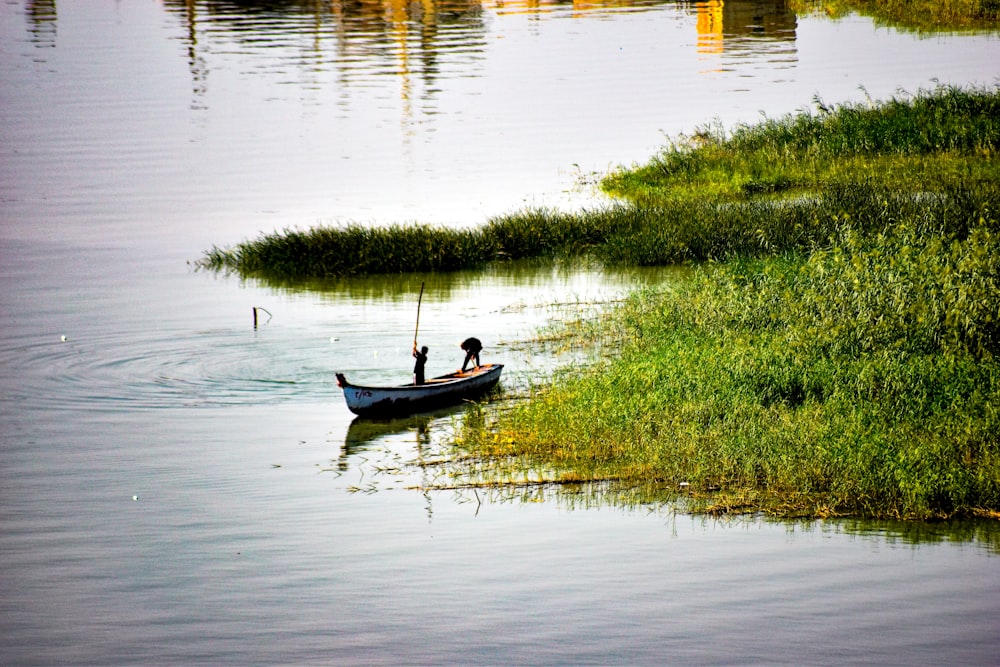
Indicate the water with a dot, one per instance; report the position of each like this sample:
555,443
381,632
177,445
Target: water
177,487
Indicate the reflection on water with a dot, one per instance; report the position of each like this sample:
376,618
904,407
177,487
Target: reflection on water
416,428
414,452
415,42
42,22
568,277
984,533
363,432
722,20
359,41
179,488
757,34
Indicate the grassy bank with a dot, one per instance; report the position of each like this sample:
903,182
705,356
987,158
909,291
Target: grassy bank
784,185
860,381
837,354
853,374
934,140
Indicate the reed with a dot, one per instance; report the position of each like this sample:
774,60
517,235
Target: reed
947,136
845,360
782,185
324,252
863,380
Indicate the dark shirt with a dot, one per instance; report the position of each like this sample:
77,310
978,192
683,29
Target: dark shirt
472,347
418,368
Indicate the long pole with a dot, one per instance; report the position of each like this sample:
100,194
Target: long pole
417,328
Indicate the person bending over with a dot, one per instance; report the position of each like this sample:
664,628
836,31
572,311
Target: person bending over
472,347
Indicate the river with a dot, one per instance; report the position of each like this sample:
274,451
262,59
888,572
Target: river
179,487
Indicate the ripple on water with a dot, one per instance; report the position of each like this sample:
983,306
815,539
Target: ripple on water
153,369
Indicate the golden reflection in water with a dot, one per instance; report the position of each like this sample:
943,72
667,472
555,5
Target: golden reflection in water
42,22
718,19
580,8
709,25
729,26
409,39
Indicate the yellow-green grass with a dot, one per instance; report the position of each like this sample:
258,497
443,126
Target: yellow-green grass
860,381
838,357
783,185
946,137
843,361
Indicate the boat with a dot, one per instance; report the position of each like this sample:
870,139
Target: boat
410,398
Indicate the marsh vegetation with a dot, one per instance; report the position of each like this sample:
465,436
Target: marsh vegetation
783,185
851,370
833,353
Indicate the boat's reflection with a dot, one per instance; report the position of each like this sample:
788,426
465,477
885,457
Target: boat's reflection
364,432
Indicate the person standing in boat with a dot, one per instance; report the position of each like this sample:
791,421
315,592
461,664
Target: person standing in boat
472,347
418,367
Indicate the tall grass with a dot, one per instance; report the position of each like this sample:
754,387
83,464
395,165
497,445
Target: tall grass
844,360
863,380
782,185
358,250
353,250
887,145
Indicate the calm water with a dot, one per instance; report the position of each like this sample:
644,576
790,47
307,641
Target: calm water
179,488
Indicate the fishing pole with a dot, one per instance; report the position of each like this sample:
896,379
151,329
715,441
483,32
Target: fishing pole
417,328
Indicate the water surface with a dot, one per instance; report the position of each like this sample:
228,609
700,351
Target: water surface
177,487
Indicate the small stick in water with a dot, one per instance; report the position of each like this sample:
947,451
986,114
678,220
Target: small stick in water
255,309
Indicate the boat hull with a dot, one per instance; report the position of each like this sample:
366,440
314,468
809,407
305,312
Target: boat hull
410,398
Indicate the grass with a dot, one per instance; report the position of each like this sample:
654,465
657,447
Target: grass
843,361
835,351
783,185
325,252
861,381
948,137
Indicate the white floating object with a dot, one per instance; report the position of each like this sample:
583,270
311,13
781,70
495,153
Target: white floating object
63,338
135,497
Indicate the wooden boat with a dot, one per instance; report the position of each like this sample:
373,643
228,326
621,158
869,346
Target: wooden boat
410,398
